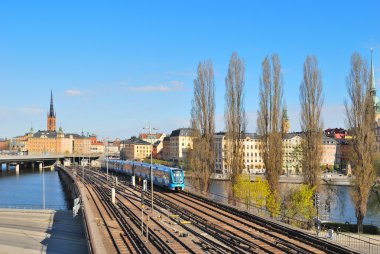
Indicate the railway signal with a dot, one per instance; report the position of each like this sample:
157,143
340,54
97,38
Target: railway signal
316,200
316,205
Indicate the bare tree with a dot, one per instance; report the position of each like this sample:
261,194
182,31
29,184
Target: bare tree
360,120
270,119
235,119
202,159
311,101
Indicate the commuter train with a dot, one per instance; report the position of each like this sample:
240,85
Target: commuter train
167,177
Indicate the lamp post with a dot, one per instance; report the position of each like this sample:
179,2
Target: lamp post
43,186
151,160
89,162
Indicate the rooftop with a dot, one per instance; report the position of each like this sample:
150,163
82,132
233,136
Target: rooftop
136,141
182,132
148,136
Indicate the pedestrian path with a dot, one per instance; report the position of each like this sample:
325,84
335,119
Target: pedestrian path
41,231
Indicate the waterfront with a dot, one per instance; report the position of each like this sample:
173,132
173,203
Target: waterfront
341,206
25,190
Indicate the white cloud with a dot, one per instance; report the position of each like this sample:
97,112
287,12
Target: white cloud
30,110
173,86
73,92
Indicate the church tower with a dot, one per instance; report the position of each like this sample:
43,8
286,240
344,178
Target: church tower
285,121
51,117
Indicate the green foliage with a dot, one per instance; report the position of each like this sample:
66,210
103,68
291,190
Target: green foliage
273,204
261,191
256,193
243,190
298,204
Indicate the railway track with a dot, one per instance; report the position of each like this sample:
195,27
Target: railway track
218,228
123,238
158,237
245,236
273,226
204,242
209,245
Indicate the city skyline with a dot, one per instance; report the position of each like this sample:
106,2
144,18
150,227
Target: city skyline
114,70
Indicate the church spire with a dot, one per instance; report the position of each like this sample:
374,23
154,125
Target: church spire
51,120
51,113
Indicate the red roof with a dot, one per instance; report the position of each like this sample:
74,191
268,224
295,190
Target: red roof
147,135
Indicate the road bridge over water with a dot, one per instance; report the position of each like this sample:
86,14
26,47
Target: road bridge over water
32,161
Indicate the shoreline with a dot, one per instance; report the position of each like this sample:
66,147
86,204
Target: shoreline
330,179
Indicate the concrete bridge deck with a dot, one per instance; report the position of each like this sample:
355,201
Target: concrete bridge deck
42,157
41,231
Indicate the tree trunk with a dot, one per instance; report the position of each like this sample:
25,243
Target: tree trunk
360,218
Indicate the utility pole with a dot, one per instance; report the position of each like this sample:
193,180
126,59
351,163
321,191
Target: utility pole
151,159
83,172
106,140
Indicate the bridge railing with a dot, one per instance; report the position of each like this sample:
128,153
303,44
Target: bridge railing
32,207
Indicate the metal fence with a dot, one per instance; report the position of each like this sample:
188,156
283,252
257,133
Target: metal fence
357,242
33,207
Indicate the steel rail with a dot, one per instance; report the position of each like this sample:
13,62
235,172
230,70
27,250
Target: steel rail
277,227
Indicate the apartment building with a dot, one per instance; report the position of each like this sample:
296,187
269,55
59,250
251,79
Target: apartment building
135,149
181,142
292,153
166,148
252,150
329,153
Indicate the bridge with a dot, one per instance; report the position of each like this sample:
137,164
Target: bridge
32,161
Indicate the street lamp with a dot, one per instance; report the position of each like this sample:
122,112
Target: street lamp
43,186
151,159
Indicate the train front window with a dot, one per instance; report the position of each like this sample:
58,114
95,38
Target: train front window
177,176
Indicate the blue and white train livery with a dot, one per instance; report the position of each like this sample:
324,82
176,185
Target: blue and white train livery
171,178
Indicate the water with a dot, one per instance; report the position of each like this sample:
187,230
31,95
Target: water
24,190
341,206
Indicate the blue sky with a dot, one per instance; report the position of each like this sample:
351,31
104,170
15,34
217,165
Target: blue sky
115,66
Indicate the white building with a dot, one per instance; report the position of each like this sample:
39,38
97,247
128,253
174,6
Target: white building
252,150
292,153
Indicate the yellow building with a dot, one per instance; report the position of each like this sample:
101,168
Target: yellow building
181,142
52,142
136,149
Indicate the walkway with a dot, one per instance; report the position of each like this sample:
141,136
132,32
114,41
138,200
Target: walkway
41,231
